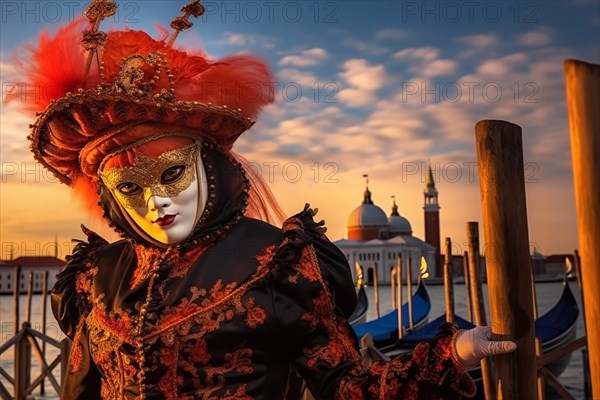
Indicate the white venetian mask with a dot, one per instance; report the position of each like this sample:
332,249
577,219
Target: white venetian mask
163,196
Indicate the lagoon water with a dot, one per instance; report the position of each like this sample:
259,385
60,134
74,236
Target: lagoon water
547,295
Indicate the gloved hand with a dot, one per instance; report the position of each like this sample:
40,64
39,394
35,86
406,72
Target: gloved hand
472,345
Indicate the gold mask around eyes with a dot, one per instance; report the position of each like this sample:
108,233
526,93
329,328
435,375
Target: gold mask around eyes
147,172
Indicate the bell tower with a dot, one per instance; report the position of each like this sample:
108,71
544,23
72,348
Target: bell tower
432,220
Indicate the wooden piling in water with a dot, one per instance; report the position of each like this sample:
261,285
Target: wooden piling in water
393,282
584,352
16,293
29,296
582,82
411,323
467,285
478,307
376,289
538,343
22,365
448,289
44,309
398,270
502,187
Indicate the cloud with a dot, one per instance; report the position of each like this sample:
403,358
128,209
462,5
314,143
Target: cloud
366,48
501,67
423,53
362,82
305,78
306,58
391,34
438,68
425,61
247,39
539,38
479,41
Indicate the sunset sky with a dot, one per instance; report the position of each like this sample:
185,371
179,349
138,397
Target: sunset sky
363,87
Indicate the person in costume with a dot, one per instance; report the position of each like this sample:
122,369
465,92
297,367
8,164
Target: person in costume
203,298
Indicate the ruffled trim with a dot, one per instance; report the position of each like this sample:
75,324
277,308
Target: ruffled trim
71,293
298,232
301,231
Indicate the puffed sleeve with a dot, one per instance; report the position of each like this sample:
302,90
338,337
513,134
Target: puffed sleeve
313,294
70,305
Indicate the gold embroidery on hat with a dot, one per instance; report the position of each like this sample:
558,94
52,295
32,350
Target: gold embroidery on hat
147,172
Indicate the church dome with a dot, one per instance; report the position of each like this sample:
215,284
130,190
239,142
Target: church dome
367,214
398,224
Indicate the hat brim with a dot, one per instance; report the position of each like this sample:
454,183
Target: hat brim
89,118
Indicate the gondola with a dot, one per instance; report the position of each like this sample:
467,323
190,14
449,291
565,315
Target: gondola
384,330
555,328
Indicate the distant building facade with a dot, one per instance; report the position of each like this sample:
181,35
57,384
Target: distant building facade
375,241
35,265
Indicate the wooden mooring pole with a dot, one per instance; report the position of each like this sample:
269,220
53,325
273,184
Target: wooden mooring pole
16,294
467,286
411,323
398,271
44,308
477,304
502,187
29,296
376,289
448,289
583,97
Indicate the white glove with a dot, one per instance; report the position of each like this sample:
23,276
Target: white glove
472,345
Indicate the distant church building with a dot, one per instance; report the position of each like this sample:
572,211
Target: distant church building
376,240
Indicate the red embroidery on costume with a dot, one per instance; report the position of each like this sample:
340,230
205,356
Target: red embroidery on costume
182,264
255,314
146,259
265,257
76,350
168,383
117,323
198,351
83,280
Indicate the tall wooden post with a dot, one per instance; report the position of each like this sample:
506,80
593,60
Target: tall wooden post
477,303
398,270
467,285
393,280
44,309
502,188
584,352
376,289
411,323
448,289
16,298
22,363
29,296
583,97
